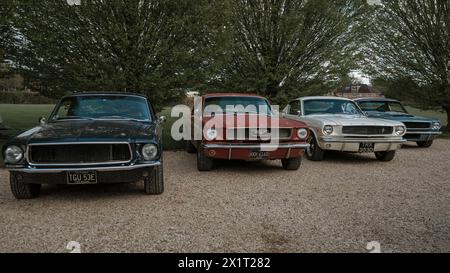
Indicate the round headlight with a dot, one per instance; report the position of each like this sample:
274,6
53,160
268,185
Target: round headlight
211,134
400,130
437,125
149,151
13,154
328,129
302,133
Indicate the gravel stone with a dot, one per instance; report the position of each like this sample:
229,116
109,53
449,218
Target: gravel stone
338,205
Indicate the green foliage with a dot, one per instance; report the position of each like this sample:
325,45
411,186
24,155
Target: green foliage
143,46
279,49
284,49
409,50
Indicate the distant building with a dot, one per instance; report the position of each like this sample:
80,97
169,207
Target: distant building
357,91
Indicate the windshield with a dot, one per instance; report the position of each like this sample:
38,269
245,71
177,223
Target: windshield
382,106
239,105
330,106
103,107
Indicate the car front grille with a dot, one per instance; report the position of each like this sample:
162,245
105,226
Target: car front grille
417,125
367,130
79,153
257,133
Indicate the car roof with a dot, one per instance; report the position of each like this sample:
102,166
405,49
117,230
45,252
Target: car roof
322,97
376,99
212,95
124,94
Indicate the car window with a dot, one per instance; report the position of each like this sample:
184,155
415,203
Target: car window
103,107
294,108
382,106
330,106
396,107
249,105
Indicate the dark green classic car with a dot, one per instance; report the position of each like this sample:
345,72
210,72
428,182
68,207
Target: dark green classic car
422,130
89,138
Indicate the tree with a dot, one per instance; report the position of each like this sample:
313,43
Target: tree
145,46
410,41
5,34
287,48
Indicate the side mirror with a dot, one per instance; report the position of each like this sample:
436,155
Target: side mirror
162,119
299,113
42,121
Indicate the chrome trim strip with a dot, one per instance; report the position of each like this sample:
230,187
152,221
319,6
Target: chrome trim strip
27,157
257,146
423,133
98,169
362,140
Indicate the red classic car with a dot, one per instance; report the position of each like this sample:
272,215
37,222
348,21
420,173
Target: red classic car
244,127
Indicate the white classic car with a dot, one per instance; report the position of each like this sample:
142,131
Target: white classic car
339,124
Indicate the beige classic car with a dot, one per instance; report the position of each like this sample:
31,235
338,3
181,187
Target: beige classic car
339,124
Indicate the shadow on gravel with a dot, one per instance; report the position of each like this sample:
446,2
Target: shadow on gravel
348,158
99,191
412,145
248,166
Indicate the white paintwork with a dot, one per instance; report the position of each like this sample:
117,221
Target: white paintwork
336,141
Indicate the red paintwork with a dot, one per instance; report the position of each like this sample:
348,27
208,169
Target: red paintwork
243,154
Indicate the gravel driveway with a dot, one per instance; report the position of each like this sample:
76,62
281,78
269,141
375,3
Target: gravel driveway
338,205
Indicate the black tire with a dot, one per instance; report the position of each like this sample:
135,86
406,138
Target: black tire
204,163
291,164
190,148
314,152
385,156
22,190
425,144
154,184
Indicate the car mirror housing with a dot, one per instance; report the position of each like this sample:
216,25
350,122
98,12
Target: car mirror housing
162,119
42,121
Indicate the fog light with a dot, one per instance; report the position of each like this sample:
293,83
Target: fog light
212,153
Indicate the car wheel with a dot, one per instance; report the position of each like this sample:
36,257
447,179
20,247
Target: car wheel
154,184
385,156
425,144
291,164
314,152
22,190
204,163
190,148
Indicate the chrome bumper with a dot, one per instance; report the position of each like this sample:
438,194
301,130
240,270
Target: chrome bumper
98,169
257,146
353,144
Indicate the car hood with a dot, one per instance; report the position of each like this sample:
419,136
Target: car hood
89,130
403,117
353,120
250,120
